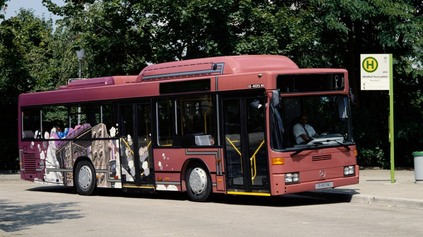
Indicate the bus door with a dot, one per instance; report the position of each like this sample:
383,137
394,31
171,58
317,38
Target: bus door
244,142
136,159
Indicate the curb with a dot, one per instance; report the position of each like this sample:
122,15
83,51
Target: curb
358,198
383,201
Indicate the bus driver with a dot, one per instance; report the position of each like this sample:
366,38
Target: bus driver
303,132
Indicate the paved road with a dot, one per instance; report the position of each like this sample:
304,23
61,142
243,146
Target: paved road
27,209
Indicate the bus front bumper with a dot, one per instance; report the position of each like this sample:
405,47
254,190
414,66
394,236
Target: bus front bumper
280,188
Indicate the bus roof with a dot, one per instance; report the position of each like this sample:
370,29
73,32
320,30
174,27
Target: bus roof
192,68
215,66
118,87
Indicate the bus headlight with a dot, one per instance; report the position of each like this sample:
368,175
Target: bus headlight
349,170
292,178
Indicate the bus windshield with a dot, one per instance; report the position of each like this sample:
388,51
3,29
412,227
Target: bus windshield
324,119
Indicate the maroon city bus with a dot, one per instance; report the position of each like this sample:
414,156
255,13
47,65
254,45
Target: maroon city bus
225,125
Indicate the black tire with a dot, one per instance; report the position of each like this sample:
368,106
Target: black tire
198,181
85,178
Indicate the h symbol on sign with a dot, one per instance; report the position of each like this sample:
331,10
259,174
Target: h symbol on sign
370,64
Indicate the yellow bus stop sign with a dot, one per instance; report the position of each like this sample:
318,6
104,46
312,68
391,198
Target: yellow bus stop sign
369,64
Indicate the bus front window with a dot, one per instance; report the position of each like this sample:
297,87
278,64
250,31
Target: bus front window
328,121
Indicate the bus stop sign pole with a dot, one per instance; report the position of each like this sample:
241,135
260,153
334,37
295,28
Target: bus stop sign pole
391,118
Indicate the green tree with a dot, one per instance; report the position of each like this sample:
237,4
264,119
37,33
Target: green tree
24,65
113,42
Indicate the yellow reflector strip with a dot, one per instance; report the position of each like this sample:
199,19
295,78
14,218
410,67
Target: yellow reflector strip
248,193
137,186
278,161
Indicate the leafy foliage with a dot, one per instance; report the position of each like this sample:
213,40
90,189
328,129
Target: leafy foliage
24,55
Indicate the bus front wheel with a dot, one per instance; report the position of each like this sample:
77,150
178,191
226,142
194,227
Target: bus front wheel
198,181
85,180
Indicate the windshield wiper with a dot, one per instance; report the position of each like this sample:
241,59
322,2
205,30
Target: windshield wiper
317,145
306,147
340,143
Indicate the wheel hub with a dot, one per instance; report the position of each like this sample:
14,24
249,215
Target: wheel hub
198,180
85,177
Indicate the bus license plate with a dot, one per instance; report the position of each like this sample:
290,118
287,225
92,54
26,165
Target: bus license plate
324,185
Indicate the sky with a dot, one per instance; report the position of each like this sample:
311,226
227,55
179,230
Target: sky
13,7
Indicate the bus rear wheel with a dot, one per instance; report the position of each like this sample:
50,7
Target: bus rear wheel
85,180
198,181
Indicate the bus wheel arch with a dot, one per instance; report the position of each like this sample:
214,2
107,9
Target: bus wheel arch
198,183
85,181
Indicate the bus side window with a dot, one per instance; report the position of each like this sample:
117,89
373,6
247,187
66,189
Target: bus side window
31,124
165,122
196,123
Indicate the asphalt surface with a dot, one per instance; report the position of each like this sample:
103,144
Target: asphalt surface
375,188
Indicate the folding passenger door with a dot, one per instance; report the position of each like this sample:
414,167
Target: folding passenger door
136,159
244,142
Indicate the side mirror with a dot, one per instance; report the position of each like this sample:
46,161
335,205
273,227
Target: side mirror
275,98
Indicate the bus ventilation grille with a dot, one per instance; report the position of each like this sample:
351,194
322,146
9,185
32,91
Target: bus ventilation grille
322,157
30,163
